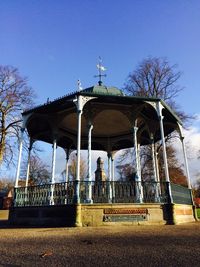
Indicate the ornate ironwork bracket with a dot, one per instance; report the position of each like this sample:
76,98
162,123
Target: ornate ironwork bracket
80,101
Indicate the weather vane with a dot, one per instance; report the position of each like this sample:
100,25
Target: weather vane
100,68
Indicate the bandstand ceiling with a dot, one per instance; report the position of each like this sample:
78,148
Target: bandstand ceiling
111,113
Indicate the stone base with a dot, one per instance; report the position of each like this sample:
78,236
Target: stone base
121,214
101,215
183,213
4,214
49,216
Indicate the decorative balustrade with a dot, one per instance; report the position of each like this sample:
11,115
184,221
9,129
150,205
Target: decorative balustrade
92,192
181,194
44,195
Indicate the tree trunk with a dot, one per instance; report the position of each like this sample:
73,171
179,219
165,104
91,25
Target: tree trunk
2,139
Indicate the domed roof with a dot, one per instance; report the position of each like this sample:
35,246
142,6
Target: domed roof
112,114
105,90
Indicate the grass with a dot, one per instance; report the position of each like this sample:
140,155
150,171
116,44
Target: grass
198,213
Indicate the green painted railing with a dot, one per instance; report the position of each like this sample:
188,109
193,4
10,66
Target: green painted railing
91,192
104,192
181,194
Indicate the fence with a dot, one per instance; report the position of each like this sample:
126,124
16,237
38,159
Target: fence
181,194
103,192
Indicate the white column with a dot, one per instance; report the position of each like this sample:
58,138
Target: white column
139,163
89,197
186,162
136,153
28,169
67,152
109,167
113,175
153,160
67,166
28,163
53,171
53,168
112,168
79,112
79,101
164,150
67,170
182,138
156,179
159,110
19,157
109,178
157,167
139,189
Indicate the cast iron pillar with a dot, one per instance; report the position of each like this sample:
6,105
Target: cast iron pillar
161,117
139,187
89,185
19,157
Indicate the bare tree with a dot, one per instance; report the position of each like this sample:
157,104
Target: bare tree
39,171
72,167
196,185
15,96
126,172
6,184
154,77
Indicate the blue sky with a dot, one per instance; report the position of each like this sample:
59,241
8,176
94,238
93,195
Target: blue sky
55,43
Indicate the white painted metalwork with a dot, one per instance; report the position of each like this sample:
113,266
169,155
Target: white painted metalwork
89,199
125,192
79,101
153,159
139,162
184,155
159,112
109,178
139,188
77,195
161,117
113,175
67,153
28,163
155,174
136,153
19,157
53,171
53,168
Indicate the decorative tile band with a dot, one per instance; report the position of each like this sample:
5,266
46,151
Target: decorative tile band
125,211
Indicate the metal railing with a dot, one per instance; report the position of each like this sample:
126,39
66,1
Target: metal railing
44,195
181,194
92,192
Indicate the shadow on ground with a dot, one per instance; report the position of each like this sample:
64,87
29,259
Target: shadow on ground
104,246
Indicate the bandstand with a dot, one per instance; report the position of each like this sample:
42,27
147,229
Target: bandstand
102,118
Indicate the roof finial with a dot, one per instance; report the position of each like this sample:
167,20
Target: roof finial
79,85
100,68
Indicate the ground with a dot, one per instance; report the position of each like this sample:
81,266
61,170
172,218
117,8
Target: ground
163,245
